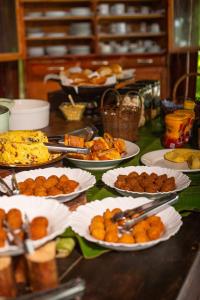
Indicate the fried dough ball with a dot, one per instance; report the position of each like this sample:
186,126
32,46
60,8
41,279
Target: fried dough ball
107,214
40,180
14,218
142,226
2,216
111,236
98,233
154,220
141,237
168,185
22,186
30,182
53,191
40,191
111,227
133,174
138,188
41,221
154,232
126,238
151,189
28,192
37,232
63,179
3,237
50,182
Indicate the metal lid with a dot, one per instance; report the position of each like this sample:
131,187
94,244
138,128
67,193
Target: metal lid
3,109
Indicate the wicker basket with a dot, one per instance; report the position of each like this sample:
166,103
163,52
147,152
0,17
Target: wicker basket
119,117
72,112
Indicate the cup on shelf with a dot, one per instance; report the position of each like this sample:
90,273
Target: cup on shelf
105,48
145,10
104,9
118,28
118,9
57,50
155,27
36,51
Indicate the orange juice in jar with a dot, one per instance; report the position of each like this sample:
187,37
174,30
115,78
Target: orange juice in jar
175,125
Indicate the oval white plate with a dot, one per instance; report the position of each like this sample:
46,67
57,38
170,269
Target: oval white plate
81,218
182,181
131,150
156,158
85,179
56,213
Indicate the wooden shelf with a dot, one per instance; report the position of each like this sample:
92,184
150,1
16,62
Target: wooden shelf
67,18
67,37
55,1
131,17
131,35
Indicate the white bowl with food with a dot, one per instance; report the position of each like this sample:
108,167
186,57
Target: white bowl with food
29,114
80,221
151,182
62,184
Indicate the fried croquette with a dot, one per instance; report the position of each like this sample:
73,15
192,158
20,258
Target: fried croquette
63,178
40,180
126,238
141,237
111,236
14,218
154,232
37,232
2,216
41,221
98,233
107,214
53,191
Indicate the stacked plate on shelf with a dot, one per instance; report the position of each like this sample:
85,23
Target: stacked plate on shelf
82,29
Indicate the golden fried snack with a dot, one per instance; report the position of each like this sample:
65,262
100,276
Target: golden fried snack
126,238
99,145
74,141
3,237
119,145
30,182
107,214
2,216
154,232
141,237
96,80
109,139
98,233
110,226
40,180
41,221
53,191
111,236
14,218
40,191
63,179
37,232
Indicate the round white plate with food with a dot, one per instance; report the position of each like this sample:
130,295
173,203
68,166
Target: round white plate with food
130,186
80,221
156,159
62,184
131,150
56,213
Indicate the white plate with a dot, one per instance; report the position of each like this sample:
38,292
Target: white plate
81,218
84,178
182,181
131,150
156,158
56,213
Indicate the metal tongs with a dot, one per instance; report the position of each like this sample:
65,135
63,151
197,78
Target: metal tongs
55,147
139,213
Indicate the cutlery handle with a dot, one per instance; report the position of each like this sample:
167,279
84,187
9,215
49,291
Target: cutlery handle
62,148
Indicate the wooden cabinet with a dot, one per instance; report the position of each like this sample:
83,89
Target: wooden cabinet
61,33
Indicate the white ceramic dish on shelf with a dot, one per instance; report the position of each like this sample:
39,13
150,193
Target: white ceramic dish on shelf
80,11
81,219
36,51
85,179
56,213
81,49
56,50
182,181
56,13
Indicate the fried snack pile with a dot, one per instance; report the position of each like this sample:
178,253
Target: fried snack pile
102,148
87,77
149,183
38,226
23,147
51,186
192,157
103,228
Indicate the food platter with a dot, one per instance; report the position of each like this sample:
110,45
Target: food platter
156,158
131,150
81,218
84,179
182,181
56,213
53,159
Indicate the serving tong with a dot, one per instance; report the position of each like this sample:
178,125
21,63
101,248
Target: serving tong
135,215
15,187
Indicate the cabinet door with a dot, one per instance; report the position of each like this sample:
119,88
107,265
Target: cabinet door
183,25
11,31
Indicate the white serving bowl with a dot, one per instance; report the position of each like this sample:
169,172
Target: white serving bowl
35,51
55,13
29,114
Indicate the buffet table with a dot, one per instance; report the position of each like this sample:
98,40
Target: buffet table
169,270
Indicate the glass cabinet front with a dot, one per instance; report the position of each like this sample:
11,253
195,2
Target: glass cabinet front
184,25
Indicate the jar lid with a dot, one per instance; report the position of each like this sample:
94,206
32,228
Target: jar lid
189,104
175,117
